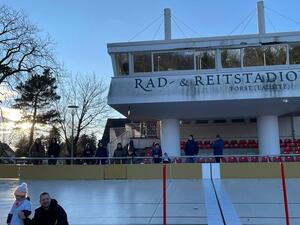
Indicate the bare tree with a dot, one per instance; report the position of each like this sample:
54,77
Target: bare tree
22,51
89,94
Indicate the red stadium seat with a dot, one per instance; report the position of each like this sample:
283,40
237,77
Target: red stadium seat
177,160
265,159
232,159
289,159
201,160
210,160
282,145
243,159
226,146
276,159
254,159
297,158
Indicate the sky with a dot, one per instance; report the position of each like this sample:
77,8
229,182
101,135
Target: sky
81,29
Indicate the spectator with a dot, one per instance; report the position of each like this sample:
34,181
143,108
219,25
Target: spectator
37,151
88,152
191,149
49,213
53,151
166,158
119,153
156,153
101,152
131,152
218,146
21,208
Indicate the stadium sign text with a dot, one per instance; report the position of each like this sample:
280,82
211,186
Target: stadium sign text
237,81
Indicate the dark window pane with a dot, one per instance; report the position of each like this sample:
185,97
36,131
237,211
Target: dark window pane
167,61
231,58
205,60
253,56
142,62
275,55
238,121
219,121
122,64
295,54
201,121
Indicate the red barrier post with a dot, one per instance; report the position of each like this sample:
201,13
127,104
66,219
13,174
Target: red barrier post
284,195
164,195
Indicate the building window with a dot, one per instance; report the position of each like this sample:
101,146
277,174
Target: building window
254,56
238,121
142,62
122,64
275,55
231,58
201,121
294,53
205,60
168,61
219,121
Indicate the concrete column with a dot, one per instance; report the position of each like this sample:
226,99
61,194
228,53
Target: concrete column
170,136
268,135
167,16
261,17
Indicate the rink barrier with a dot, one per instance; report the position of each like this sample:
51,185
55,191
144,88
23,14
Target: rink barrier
63,172
258,170
9,171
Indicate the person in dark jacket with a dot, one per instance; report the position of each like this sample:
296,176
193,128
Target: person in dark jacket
37,151
88,152
131,152
53,151
218,146
156,153
120,152
101,152
190,149
49,213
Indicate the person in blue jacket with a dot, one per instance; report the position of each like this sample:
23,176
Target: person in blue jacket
191,149
218,146
156,153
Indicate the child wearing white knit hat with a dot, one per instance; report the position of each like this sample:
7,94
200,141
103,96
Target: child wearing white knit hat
21,204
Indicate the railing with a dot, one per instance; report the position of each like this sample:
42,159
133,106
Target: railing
150,159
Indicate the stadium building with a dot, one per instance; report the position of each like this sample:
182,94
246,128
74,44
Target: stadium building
245,88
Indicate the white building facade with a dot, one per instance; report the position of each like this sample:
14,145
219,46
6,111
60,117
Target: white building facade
206,79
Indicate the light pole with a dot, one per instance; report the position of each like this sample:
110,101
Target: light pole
73,111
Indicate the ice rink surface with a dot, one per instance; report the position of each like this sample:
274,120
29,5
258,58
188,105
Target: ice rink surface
126,202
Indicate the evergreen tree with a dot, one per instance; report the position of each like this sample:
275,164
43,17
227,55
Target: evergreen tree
36,97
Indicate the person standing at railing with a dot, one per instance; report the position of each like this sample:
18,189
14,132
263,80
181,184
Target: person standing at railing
218,147
88,152
37,151
101,152
131,152
156,153
53,151
191,149
119,153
